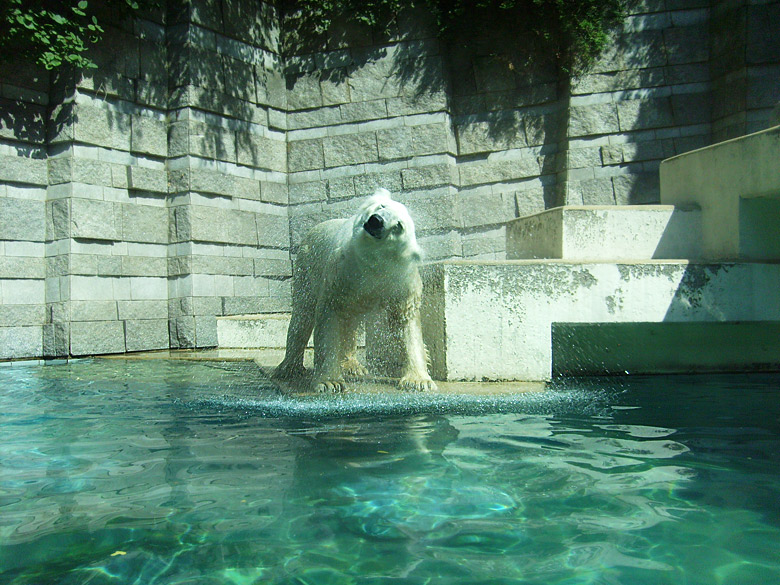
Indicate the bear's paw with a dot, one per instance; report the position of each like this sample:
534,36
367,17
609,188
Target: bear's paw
417,384
353,368
330,386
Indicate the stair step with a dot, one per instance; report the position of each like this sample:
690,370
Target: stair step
607,233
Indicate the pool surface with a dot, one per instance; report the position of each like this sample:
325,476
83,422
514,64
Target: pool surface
175,472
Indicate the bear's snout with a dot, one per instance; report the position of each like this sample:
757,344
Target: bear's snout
374,226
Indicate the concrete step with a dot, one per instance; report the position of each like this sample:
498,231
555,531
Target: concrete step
607,233
737,185
530,319
253,331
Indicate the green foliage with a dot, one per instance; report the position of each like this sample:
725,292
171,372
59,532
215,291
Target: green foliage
569,33
53,33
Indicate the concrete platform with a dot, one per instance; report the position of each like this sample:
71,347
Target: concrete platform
504,320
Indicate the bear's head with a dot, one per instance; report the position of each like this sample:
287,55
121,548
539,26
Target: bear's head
384,225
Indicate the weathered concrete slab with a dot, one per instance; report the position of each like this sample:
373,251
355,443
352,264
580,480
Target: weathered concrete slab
592,232
494,321
737,185
253,331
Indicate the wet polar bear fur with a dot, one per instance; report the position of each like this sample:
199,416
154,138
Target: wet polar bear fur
346,268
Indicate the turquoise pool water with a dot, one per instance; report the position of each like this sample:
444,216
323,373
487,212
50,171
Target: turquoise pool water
169,472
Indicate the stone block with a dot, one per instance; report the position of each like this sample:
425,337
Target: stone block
431,139
96,220
96,337
305,155
319,117
146,334
143,266
687,44
239,79
482,172
182,332
593,191
145,179
343,188
644,114
433,213
593,120
24,267
762,45
21,342
93,311
134,310
233,266
57,219
102,126
273,230
271,88
92,172
374,81
56,339
149,136
367,183
273,267
483,209
22,219
350,149
210,224
22,315
21,169
502,133
211,142
274,192
394,143
426,177
262,152
206,331
303,92
143,288
307,192
144,223
92,288
18,291
636,189
578,158
224,184
362,111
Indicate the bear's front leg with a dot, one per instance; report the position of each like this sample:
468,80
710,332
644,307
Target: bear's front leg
350,366
327,351
414,375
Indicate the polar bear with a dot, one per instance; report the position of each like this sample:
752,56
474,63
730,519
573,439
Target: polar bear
346,268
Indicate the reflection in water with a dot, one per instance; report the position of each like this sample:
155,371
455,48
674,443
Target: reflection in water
164,472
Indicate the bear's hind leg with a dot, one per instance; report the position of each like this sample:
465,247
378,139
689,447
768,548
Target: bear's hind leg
298,334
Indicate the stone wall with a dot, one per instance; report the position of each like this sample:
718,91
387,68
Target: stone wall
142,200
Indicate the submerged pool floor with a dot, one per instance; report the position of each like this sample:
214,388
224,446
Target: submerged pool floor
179,472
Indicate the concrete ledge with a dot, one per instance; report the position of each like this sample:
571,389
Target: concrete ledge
631,232
495,321
253,331
737,185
